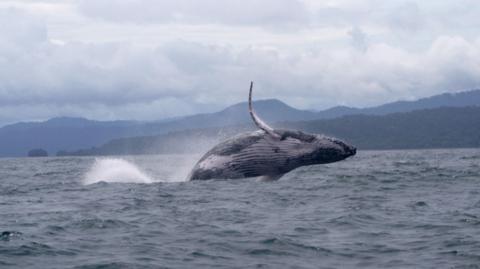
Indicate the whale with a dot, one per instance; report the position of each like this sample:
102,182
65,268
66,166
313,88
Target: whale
268,153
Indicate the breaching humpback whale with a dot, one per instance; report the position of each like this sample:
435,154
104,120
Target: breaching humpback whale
268,152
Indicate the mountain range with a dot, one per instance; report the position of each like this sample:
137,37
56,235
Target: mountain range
444,127
70,134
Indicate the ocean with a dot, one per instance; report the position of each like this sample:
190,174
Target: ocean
378,209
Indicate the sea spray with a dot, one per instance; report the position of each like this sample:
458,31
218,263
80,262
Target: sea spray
115,170
168,168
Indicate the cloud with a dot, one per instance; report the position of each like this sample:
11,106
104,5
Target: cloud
359,39
406,17
376,52
18,28
231,12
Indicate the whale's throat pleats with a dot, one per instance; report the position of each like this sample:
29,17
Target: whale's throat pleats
266,157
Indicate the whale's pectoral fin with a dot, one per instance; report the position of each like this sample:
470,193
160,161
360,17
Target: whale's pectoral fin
271,177
256,119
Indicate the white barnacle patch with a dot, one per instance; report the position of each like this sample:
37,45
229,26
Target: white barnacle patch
214,162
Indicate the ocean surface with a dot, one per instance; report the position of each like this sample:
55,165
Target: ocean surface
379,209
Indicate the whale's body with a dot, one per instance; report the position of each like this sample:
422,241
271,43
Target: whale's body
268,152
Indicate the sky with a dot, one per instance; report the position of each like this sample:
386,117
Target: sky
153,59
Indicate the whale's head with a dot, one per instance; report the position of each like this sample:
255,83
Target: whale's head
329,149
315,148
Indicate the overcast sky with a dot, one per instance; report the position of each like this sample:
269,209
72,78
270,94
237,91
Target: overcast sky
151,59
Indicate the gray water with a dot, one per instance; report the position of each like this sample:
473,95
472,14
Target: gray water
380,209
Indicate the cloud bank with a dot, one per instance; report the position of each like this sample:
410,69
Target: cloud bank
144,59
231,12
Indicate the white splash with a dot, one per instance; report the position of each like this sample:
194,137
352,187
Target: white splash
115,170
